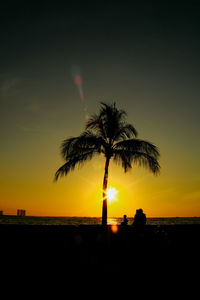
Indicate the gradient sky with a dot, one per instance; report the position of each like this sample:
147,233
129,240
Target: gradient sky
145,57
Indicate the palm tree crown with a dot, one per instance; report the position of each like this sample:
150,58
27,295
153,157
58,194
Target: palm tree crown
108,133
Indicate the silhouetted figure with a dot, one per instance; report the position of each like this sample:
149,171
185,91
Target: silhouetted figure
139,218
125,221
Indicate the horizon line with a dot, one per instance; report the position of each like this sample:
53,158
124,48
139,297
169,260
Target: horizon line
46,216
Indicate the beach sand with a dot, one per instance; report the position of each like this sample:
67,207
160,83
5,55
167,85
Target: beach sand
151,252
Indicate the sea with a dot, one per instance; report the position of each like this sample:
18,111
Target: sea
76,221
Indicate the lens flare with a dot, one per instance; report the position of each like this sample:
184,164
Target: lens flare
79,83
114,228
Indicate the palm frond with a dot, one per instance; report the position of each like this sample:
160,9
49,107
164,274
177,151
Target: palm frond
109,123
81,144
122,157
110,110
137,145
125,131
73,161
147,161
96,125
111,119
128,159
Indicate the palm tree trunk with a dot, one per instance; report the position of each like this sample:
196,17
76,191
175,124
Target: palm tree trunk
105,182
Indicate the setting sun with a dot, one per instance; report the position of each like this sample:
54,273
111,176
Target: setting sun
112,194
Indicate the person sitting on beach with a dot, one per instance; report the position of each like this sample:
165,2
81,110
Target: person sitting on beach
125,221
139,218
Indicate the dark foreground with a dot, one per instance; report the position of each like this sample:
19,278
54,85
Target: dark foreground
81,250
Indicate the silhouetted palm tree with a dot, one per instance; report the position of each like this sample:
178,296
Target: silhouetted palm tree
109,134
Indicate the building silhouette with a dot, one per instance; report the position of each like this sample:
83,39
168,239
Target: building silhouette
21,213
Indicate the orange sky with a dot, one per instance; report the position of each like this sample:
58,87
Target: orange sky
30,158
30,186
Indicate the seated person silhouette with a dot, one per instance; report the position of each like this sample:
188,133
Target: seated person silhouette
125,221
139,218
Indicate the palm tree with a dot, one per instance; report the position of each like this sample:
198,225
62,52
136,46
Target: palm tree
109,134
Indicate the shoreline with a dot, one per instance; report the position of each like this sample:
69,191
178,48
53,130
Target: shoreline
87,217
50,249
167,235
36,220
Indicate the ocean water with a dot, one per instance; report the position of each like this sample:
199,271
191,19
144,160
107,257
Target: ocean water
28,220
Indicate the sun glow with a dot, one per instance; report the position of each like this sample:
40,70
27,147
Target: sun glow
111,194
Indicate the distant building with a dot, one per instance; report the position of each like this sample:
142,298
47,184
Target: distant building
21,213
1,212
